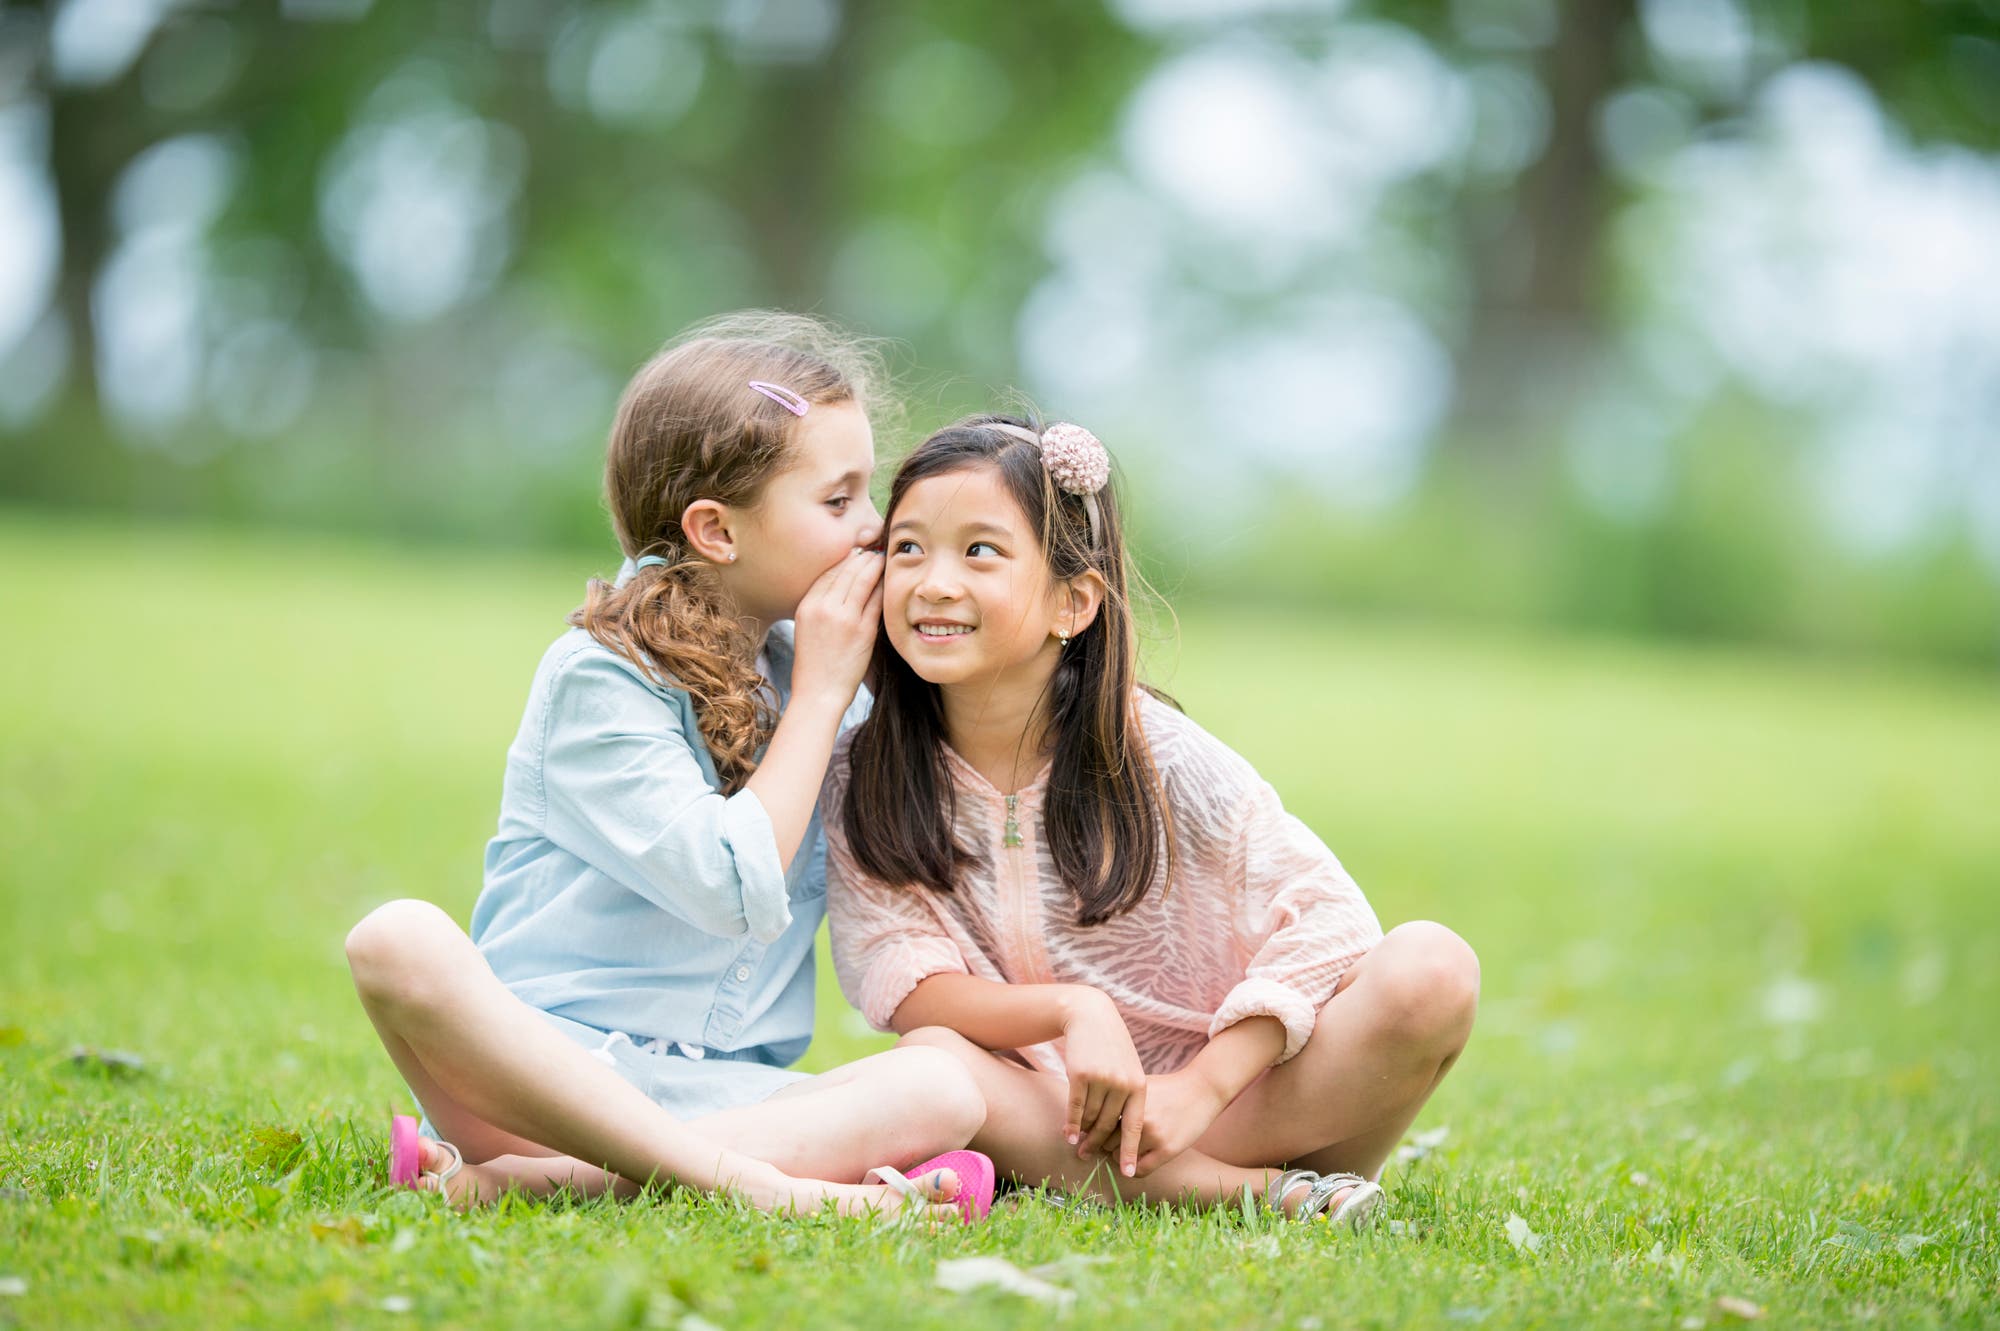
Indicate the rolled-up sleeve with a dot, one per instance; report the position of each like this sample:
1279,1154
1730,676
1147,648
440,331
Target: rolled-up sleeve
886,940
1300,915
624,791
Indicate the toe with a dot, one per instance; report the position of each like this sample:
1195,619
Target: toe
1333,1203
939,1185
432,1159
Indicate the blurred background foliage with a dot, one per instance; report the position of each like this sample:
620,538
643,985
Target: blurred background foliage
1673,317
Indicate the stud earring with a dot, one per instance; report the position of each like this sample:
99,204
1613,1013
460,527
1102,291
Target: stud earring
1062,637
732,556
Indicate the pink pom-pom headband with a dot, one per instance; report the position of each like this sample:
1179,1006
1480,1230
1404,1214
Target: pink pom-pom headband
1077,462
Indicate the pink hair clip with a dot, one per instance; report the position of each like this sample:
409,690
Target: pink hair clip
781,395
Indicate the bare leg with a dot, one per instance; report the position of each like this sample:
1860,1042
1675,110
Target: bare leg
496,1078
495,1161
1023,1134
1381,1045
893,1108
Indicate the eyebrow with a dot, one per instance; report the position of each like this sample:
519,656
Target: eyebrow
848,480
976,529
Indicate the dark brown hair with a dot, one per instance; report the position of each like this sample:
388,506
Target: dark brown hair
689,427
1104,818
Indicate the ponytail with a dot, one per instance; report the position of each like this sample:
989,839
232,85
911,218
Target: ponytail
671,622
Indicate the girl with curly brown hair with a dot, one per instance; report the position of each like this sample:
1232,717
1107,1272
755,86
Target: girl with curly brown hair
639,973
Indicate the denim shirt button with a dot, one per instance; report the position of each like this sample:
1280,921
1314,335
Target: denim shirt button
742,973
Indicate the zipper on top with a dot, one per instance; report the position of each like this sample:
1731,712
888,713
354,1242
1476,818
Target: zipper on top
1011,834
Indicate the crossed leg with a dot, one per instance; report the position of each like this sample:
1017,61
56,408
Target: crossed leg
1381,1045
530,1109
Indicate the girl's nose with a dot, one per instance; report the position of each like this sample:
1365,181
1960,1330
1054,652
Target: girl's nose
933,588
871,525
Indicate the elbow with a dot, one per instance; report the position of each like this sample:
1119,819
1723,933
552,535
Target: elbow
740,906
717,920
905,1015
731,927
714,909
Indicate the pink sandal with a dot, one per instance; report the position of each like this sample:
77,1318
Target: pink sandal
406,1159
975,1180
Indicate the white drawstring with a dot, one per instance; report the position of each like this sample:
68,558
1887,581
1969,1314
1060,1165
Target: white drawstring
603,1052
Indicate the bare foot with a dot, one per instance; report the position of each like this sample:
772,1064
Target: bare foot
935,1198
469,1186
482,1184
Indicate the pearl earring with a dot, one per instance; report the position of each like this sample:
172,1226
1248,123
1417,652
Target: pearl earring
732,556
1062,636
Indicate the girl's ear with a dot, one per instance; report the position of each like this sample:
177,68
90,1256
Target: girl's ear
1079,601
705,523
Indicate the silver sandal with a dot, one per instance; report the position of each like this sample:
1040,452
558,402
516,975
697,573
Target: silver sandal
1357,1211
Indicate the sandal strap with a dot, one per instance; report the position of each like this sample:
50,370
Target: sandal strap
1322,1192
899,1182
446,1174
1358,1207
1281,1187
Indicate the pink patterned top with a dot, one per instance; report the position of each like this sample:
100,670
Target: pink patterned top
1261,918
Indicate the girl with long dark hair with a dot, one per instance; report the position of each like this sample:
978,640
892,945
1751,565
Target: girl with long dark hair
1048,869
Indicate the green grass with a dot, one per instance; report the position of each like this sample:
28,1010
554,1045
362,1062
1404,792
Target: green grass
1739,918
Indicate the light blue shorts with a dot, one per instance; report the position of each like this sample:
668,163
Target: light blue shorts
687,1082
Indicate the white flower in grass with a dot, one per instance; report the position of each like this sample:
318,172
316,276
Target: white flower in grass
963,1274
1732,1305
1422,1144
1521,1236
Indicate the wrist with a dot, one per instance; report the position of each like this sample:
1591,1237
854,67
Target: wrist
822,701
1206,1082
1075,1003
1221,1072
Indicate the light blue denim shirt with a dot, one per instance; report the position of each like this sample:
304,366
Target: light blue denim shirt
624,891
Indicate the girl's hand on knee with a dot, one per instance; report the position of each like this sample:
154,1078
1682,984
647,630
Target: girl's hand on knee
1107,1083
1180,1109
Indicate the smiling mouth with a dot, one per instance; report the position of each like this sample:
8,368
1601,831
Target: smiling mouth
942,632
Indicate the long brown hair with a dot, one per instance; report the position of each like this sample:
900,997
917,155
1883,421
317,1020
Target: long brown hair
689,427
1105,818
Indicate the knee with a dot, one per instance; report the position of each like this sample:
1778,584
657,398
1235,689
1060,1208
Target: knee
936,1037
1427,983
940,1079
393,951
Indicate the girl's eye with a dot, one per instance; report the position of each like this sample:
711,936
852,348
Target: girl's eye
992,550
903,548
840,503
